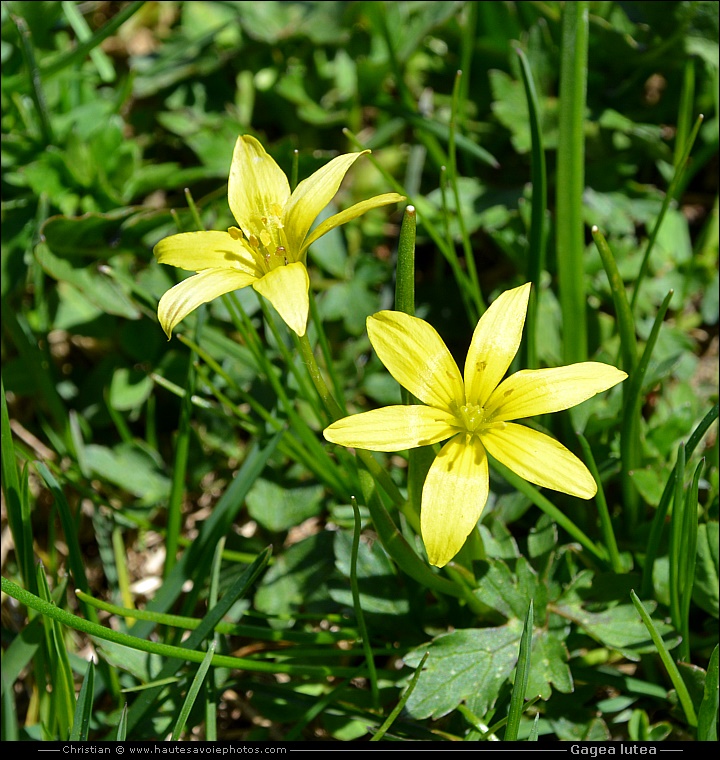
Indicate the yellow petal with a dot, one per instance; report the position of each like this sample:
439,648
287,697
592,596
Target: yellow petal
312,195
187,295
205,250
257,187
541,391
393,428
416,356
494,343
351,213
453,497
539,459
287,290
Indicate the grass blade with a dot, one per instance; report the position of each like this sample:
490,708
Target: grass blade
401,702
667,661
623,313
83,707
606,527
193,691
569,233
658,523
362,628
630,443
522,677
687,539
538,214
708,712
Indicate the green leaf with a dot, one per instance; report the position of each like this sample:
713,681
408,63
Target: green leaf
705,590
467,665
100,290
548,666
620,628
297,578
131,468
708,712
83,707
278,509
504,591
129,389
381,591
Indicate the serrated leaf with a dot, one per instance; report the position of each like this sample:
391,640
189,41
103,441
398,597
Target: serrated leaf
470,664
503,590
620,628
548,666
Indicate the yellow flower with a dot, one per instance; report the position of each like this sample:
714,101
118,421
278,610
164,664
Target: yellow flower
268,248
475,413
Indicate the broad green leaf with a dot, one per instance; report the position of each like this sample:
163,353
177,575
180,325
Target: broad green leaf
131,468
129,389
469,665
278,509
144,666
548,666
705,590
620,628
297,579
99,289
504,591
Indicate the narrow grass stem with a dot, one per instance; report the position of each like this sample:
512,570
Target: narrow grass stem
538,214
606,527
680,168
668,662
357,604
569,234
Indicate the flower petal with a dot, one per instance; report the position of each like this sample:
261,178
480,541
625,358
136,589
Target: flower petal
392,428
494,343
416,356
187,295
312,195
196,251
539,459
541,391
349,214
453,497
257,186
287,290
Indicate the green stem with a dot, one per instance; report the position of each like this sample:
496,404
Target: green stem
362,628
538,226
668,662
606,527
50,610
680,168
570,243
623,312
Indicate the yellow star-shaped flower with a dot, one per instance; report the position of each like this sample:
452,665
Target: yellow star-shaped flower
474,412
268,248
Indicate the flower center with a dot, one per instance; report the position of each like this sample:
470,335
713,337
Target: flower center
472,417
267,245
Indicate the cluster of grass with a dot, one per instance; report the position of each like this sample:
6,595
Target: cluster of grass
184,556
